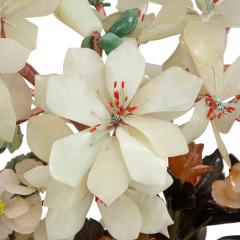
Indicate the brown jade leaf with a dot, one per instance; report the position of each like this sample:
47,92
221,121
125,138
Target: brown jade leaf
189,168
227,192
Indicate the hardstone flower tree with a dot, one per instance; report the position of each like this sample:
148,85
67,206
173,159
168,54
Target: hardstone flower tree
124,111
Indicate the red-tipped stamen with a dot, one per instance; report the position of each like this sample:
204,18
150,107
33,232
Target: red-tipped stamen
115,84
116,95
131,109
111,104
123,84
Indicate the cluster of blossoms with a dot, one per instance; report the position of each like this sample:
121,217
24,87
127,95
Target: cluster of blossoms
126,147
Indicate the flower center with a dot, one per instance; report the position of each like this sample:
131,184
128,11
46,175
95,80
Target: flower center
119,107
2,207
211,4
217,108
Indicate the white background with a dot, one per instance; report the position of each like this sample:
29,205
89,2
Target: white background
55,38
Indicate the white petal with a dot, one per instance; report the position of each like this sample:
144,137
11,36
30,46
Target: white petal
126,4
170,21
122,219
221,146
82,105
150,189
8,117
31,219
143,165
108,177
62,197
20,95
71,157
229,11
38,177
79,16
7,176
41,232
13,56
64,224
230,84
198,123
155,216
22,31
173,91
22,167
19,189
153,70
43,131
166,138
206,40
4,231
16,207
127,64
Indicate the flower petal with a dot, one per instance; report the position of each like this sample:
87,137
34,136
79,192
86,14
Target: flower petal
122,219
43,131
33,8
125,64
79,16
13,56
198,123
38,177
173,91
19,189
126,4
155,216
22,167
230,84
166,138
16,207
31,219
20,95
72,156
143,165
62,197
22,31
4,230
108,177
8,117
150,189
41,232
153,70
170,21
229,11
82,105
64,224
7,176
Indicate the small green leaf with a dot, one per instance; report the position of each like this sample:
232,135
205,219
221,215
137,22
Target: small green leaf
17,140
87,42
126,23
109,42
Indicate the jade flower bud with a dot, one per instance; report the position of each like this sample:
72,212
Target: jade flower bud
78,15
18,35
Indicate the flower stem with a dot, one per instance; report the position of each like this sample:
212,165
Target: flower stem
29,73
100,8
96,36
36,111
2,31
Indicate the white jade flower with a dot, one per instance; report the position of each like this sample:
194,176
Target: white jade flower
131,213
15,104
127,138
18,35
204,45
70,205
79,16
16,213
